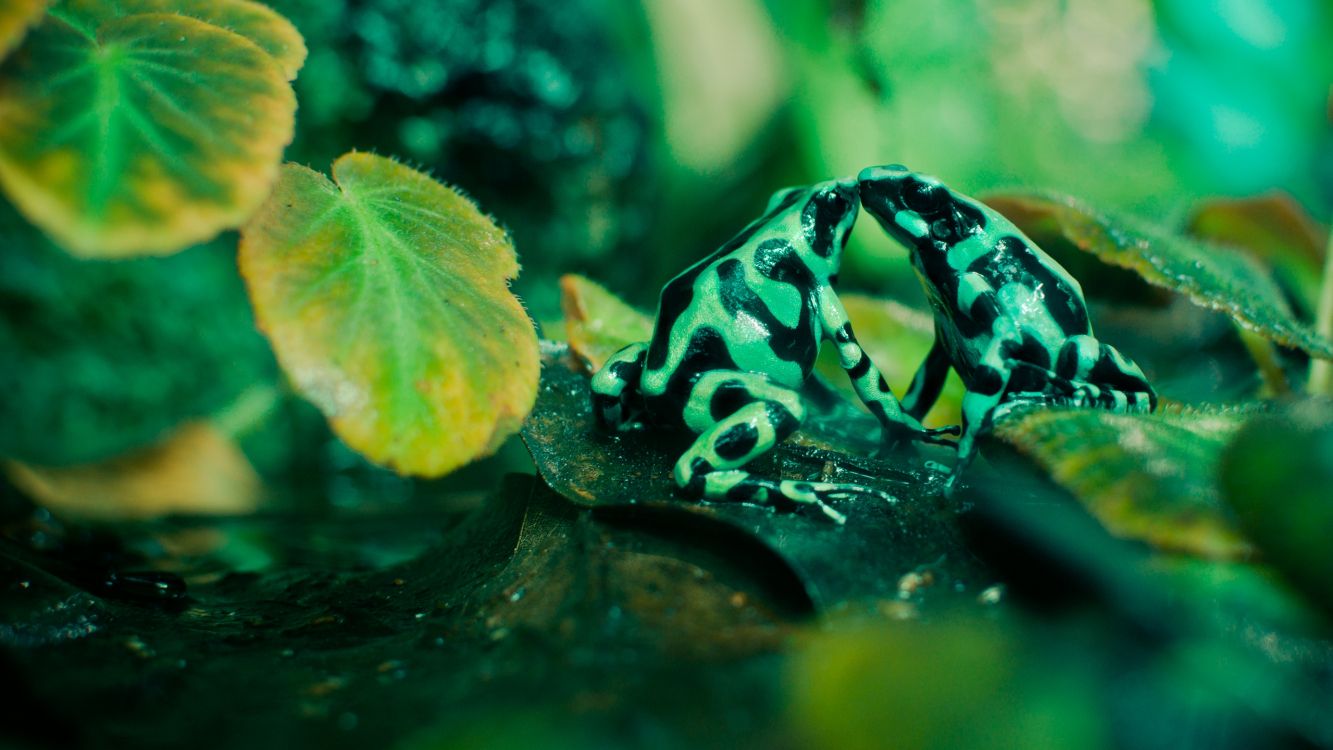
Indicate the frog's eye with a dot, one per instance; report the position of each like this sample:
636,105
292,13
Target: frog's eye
923,197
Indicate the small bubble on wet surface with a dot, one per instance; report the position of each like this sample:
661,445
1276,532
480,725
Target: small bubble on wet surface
518,594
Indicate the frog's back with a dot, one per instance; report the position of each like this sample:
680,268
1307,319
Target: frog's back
747,307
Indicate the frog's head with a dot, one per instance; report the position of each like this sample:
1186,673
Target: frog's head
826,212
918,210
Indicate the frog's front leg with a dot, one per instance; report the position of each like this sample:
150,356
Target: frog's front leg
929,379
984,393
739,417
616,400
868,381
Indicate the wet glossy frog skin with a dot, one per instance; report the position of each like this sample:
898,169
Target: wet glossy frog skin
1008,318
736,337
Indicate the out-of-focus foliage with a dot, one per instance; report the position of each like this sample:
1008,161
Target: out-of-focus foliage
939,685
196,470
524,104
141,133
1145,476
1275,229
102,358
1278,477
386,297
598,323
15,18
1215,277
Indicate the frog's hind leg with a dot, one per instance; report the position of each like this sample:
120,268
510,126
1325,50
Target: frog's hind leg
739,417
1099,375
617,403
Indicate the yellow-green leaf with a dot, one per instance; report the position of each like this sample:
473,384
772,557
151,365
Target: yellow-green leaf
15,18
385,295
1215,277
1151,477
155,133
597,322
258,23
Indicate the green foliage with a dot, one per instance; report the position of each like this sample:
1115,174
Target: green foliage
598,323
1277,476
1145,476
140,134
254,21
1211,276
15,18
385,295
104,358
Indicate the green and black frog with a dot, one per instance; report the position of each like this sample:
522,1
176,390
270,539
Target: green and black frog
735,340
1008,318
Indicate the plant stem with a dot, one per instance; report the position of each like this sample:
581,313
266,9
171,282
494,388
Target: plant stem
1321,370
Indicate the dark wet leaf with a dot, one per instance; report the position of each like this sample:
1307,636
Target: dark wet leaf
865,559
1209,275
527,608
1150,477
1277,476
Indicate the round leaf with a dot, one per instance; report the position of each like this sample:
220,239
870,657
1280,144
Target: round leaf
156,133
1144,476
385,296
258,23
1214,277
15,18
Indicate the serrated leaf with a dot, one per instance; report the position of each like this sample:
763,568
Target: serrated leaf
1215,277
155,133
1150,477
385,295
1276,475
16,16
597,322
197,470
1273,228
258,23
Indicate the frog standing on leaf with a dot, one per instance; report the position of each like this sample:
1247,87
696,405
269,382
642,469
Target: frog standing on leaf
735,340
1008,318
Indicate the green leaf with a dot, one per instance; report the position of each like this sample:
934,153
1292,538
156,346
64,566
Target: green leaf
258,23
1214,277
385,295
154,133
597,322
1273,228
1150,477
15,18
1276,475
